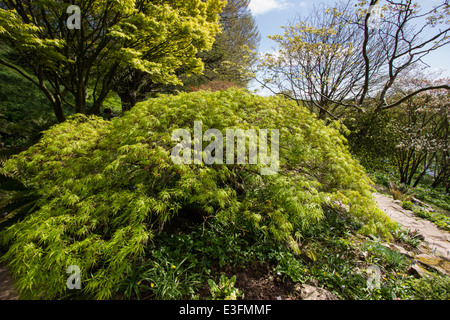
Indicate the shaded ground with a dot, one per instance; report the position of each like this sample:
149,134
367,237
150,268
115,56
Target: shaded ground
7,291
257,282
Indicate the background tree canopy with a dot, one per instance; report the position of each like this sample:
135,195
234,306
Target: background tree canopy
228,63
341,65
73,66
337,63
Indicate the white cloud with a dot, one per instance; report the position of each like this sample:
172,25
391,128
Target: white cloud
258,7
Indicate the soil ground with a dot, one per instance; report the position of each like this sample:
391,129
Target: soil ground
257,282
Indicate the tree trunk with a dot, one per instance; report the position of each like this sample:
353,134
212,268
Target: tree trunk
422,174
96,108
57,108
128,99
56,102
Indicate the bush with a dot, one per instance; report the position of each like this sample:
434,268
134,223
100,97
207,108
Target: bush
407,205
107,188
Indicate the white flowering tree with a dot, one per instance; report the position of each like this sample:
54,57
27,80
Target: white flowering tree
422,129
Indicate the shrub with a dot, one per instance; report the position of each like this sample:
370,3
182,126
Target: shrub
106,188
407,205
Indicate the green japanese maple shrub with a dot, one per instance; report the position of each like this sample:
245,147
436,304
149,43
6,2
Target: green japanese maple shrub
108,188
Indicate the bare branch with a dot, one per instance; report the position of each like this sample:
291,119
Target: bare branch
415,93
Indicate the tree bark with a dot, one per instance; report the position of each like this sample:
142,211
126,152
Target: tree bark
128,99
57,108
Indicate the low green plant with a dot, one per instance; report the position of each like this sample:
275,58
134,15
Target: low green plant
396,192
401,192
340,269
435,196
162,279
225,289
441,220
434,287
388,256
392,287
409,236
288,264
168,281
130,286
379,177
407,205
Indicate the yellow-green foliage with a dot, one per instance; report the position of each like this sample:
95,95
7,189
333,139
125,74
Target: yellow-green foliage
108,187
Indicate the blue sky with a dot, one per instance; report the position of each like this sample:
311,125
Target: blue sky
271,14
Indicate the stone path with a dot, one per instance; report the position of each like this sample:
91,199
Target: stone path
7,291
437,239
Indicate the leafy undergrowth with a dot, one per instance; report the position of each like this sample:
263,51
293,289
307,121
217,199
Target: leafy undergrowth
435,196
334,256
108,192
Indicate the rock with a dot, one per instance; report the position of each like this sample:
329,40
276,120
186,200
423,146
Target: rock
374,238
312,282
342,207
308,292
417,271
422,204
363,255
402,250
429,232
438,263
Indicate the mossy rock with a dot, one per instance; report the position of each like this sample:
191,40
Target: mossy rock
435,262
